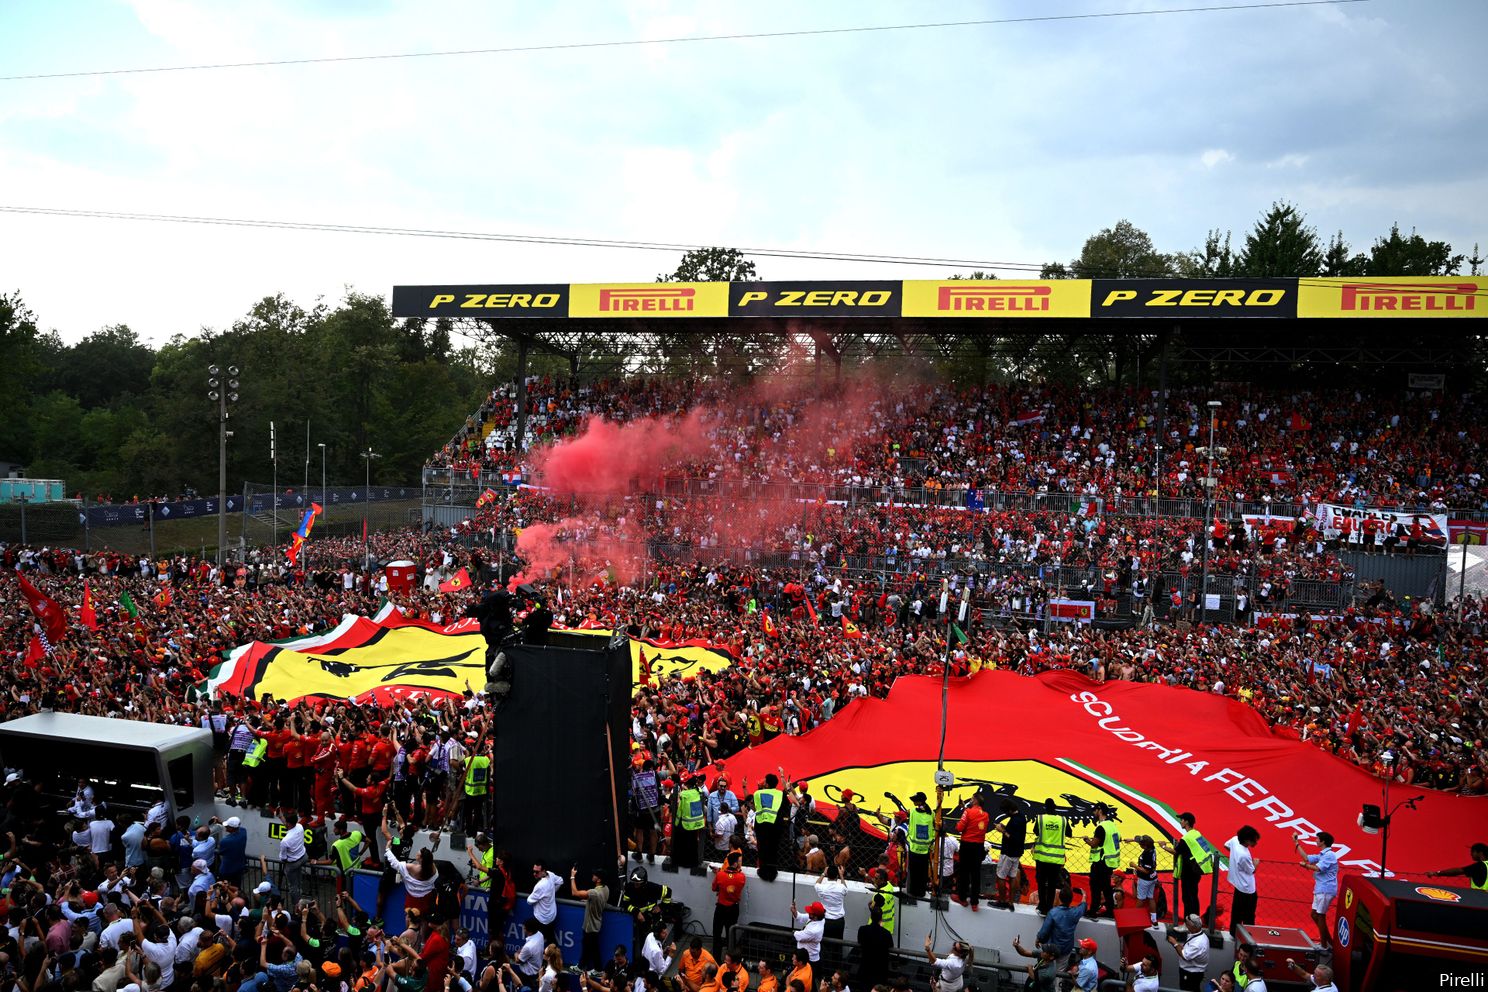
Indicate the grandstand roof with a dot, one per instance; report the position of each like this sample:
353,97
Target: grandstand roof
118,733
652,327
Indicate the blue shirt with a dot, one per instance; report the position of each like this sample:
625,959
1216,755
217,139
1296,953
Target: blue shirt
134,840
284,976
1088,976
1059,928
234,852
1326,883
716,800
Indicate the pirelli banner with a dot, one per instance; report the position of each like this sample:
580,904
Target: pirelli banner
1444,296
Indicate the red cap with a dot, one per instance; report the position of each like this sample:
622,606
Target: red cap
90,898
901,814
816,909
1087,945
847,795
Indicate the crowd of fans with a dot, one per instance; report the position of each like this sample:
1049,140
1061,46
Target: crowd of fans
1342,446
853,589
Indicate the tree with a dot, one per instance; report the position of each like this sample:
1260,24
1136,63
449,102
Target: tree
1339,260
1396,255
1476,261
1281,244
712,265
1121,252
1054,270
1213,261
106,366
978,275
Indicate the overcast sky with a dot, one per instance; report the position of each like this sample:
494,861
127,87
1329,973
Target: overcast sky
1005,143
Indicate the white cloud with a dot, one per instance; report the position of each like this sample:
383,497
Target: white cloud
1215,156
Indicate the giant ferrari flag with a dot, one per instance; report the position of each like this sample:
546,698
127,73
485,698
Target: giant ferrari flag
1151,751
391,657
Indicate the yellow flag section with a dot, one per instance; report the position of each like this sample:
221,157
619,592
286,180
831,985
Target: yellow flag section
392,657
1009,785
658,661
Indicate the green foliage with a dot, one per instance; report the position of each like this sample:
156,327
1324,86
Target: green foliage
113,416
1280,245
1214,261
1396,255
1121,252
712,265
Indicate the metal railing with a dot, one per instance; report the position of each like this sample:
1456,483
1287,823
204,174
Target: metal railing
768,942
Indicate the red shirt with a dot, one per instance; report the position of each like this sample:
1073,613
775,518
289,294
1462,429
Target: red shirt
729,885
973,825
436,956
296,751
371,797
276,740
383,753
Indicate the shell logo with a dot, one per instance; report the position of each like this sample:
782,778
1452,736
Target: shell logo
1438,894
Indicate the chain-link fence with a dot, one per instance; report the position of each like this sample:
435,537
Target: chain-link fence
270,520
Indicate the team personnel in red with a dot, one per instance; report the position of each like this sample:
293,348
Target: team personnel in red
369,802
973,829
728,883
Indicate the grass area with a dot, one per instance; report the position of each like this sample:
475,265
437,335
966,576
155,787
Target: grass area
58,526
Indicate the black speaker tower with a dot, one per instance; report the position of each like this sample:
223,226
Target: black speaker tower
561,759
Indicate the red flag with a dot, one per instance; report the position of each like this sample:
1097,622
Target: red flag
770,629
850,630
460,580
645,668
86,613
810,607
34,652
1353,718
163,597
47,610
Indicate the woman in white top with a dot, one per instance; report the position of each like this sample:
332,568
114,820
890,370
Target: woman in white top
950,971
418,878
552,968
831,891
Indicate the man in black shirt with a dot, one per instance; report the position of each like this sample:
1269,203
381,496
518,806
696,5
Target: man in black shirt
1477,872
1014,831
874,945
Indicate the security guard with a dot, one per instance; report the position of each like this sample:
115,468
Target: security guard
1193,858
920,837
885,900
769,804
477,784
1050,831
1105,857
253,762
344,853
1477,872
688,824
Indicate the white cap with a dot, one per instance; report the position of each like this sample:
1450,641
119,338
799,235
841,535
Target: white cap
232,823
264,888
199,865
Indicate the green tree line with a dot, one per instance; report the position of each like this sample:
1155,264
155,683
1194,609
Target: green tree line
111,415
1281,244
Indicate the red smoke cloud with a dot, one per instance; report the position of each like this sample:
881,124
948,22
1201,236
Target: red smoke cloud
791,437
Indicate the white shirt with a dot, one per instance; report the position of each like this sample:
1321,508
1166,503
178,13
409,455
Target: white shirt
951,969
1150,983
164,956
810,935
831,894
412,884
466,954
723,830
542,898
948,855
292,847
1242,867
529,955
188,944
655,955
1195,953
115,930
99,832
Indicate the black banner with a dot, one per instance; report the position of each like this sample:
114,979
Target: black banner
815,299
1193,297
124,514
547,300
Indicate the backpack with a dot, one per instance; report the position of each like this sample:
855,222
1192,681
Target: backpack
447,896
212,962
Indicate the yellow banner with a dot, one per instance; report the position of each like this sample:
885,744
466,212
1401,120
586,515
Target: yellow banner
1393,296
649,299
997,298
